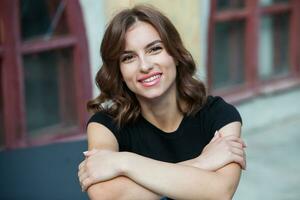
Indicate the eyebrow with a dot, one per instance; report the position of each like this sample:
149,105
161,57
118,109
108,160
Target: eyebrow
146,47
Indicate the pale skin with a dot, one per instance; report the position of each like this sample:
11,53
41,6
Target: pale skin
109,174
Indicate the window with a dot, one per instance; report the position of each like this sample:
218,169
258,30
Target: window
44,74
274,46
55,107
230,4
228,65
274,40
49,19
253,46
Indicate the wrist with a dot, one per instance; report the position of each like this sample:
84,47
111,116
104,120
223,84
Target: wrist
200,162
125,161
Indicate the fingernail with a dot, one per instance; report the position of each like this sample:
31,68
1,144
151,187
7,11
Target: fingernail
85,152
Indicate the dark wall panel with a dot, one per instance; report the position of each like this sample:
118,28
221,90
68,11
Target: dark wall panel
48,172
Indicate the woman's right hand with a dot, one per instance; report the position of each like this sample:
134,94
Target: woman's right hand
221,151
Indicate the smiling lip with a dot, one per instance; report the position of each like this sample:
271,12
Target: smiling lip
150,79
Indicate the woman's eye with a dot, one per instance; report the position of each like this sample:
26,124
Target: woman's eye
155,49
127,58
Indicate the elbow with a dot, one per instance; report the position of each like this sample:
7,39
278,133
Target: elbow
221,196
96,193
221,192
226,196
226,193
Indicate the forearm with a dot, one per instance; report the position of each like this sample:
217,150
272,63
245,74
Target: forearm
123,188
191,163
120,188
174,180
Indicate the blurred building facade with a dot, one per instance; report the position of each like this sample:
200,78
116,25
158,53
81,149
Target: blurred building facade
49,55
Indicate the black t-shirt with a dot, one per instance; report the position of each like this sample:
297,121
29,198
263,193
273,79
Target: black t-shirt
187,142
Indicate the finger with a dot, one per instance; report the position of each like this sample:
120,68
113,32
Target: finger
237,151
230,137
82,177
234,138
81,171
236,144
216,136
240,140
86,183
81,165
241,161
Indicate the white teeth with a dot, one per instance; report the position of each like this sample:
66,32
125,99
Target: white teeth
151,78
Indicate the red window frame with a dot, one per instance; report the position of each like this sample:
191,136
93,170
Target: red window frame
12,51
251,14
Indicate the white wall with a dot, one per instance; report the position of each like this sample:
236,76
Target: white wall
204,24
94,19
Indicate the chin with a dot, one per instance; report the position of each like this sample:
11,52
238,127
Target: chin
152,95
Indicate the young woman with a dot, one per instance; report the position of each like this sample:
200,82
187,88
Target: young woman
154,132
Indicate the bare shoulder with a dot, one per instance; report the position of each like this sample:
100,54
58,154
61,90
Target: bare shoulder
100,137
233,128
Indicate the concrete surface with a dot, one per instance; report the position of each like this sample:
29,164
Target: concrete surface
271,131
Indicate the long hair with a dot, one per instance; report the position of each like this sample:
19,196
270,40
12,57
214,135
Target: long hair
115,97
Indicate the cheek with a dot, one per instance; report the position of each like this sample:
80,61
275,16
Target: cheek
172,68
127,73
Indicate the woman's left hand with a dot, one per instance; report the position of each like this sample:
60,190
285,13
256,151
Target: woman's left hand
99,166
221,151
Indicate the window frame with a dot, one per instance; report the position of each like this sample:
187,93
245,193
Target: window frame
251,14
13,50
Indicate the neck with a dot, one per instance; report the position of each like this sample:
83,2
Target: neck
163,112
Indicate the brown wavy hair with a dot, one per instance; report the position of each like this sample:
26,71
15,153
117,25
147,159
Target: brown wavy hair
115,98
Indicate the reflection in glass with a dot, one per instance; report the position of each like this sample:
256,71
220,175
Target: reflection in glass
271,2
228,54
42,18
230,4
274,46
49,91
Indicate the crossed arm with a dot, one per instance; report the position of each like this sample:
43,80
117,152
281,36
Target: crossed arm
124,175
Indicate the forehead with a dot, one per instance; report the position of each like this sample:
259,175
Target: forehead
139,35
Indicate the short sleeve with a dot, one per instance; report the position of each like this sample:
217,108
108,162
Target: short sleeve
107,121
221,113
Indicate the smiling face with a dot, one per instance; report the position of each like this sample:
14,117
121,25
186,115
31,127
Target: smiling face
146,67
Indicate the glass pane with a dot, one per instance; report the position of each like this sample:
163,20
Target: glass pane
1,111
274,46
228,54
49,91
270,2
230,4
42,18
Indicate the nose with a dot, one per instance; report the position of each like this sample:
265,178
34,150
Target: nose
145,64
